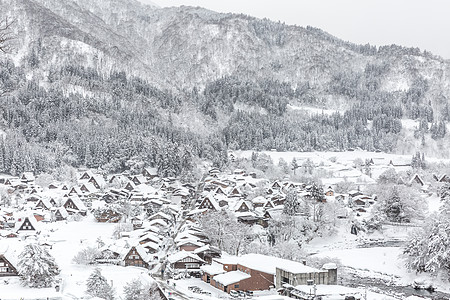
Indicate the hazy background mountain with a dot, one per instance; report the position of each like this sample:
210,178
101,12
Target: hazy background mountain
113,83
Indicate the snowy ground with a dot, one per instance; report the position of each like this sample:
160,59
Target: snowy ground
312,110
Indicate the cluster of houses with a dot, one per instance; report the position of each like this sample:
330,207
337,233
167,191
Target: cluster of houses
162,204
139,244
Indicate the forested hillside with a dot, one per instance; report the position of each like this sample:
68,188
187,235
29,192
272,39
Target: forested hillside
116,85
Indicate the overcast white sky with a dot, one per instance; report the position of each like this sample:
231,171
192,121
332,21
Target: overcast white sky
413,23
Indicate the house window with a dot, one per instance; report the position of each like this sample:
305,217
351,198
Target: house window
284,279
192,266
3,270
236,286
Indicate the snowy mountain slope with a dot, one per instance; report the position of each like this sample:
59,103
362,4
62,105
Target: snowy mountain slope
207,80
187,46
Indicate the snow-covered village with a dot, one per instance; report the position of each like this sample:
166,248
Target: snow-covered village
238,232
197,149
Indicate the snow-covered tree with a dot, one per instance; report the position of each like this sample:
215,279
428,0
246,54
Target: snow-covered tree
122,227
399,204
283,165
37,268
87,256
428,249
294,165
135,290
308,166
389,176
97,286
225,232
291,204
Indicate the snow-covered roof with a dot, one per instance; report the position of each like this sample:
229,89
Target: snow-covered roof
329,266
213,201
78,203
182,255
158,222
63,212
152,171
231,277
11,253
151,245
213,269
143,253
196,211
186,235
27,176
88,186
161,215
268,264
99,179
259,199
151,237
193,242
21,220
45,202
205,248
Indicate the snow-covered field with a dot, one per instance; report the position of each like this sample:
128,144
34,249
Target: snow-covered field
312,110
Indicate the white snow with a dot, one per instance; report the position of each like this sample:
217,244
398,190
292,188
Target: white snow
231,277
312,110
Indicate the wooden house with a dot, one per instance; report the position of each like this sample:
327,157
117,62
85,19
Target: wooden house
137,222
60,214
6,267
75,191
74,205
189,245
108,216
235,192
329,192
161,224
417,179
259,201
27,177
53,186
86,175
208,252
97,181
162,216
243,206
26,224
275,186
184,260
88,188
130,186
44,204
137,256
138,179
150,173
444,178
209,203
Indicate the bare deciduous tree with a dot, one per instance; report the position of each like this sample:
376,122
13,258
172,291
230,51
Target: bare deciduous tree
6,34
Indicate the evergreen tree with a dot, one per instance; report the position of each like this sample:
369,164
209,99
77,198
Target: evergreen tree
291,204
97,286
399,204
294,165
36,267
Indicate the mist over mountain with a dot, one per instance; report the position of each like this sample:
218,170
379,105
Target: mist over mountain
114,84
